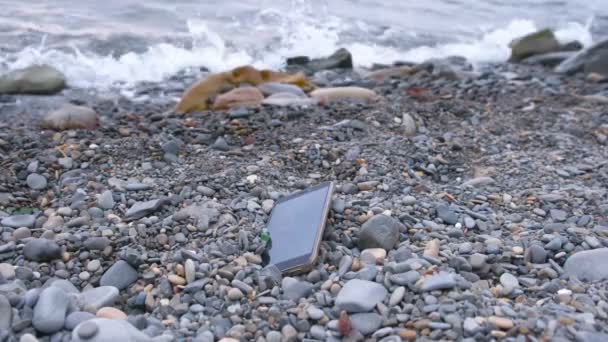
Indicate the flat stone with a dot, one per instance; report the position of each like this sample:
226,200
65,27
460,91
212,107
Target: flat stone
17,221
380,231
96,243
558,215
360,296
441,281
99,297
315,313
7,271
120,275
407,278
50,310
295,289
446,214
588,265
107,330
142,209
41,250
272,88
36,181
366,323
235,294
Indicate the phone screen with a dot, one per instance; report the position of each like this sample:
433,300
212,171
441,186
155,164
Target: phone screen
296,226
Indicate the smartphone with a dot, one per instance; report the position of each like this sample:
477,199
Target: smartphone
296,227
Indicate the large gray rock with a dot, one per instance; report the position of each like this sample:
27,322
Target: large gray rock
108,330
70,116
99,297
440,281
591,59
588,265
50,310
536,43
380,231
341,59
360,296
36,79
120,275
41,250
17,221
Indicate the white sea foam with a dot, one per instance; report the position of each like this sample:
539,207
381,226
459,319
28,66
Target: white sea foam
288,35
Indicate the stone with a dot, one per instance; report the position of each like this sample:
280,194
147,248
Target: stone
409,125
509,283
120,275
104,330
440,281
22,233
446,214
6,313
111,313
385,74
17,221
36,181
586,60
272,88
289,99
315,313
407,278
551,59
289,333
341,59
373,256
190,271
71,117
470,326
295,289
77,317
99,297
558,215
235,294
176,280
50,310
35,79
366,323
380,231
142,209
7,271
536,254
328,95
106,200
41,250
96,243
501,322
535,43
220,144
588,265
397,296
360,296
431,249
239,98
478,182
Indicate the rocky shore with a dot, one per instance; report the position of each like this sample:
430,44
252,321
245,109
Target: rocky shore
123,221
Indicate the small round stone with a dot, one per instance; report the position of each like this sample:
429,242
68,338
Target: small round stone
235,294
176,280
87,330
22,233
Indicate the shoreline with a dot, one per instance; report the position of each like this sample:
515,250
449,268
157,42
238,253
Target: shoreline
494,182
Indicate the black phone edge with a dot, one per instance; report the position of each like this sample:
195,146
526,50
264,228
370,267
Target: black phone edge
327,205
